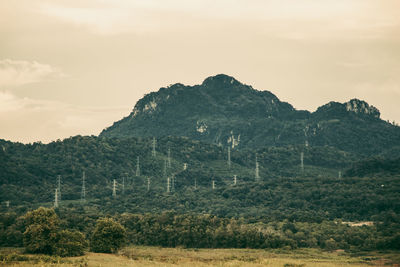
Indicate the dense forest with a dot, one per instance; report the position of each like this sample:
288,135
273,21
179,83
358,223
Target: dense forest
288,206
284,190
169,229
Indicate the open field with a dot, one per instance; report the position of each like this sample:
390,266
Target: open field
155,256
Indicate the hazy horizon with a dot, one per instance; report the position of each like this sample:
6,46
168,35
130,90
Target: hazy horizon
72,67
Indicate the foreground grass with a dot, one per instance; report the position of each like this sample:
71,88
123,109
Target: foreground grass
154,256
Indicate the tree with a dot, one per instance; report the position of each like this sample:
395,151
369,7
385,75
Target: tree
330,244
108,236
41,231
70,243
42,235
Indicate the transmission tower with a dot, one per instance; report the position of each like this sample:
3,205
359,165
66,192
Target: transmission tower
173,183
137,167
165,168
56,198
83,192
229,156
148,183
114,191
59,186
340,174
168,185
8,203
123,184
302,161
234,179
195,183
185,166
257,171
128,179
153,152
213,184
169,158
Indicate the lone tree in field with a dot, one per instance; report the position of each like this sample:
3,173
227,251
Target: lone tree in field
108,236
70,244
42,235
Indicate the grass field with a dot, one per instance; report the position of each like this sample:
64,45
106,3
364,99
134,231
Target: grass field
154,256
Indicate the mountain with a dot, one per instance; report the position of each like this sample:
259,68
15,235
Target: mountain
300,158
226,112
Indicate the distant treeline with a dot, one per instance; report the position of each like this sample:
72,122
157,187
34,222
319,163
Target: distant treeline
169,229
205,231
375,166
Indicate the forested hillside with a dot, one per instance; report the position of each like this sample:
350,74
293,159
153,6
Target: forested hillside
284,190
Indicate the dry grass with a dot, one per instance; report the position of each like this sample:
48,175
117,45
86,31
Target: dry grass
236,257
154,256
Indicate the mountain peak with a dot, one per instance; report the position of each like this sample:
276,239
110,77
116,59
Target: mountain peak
220,79
359,106
224,111
353,106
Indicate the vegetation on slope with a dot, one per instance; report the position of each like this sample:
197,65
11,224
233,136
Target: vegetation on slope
226,112
284,190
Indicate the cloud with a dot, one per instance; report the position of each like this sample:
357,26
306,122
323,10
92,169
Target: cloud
104,20
9,102
287,19
20,72
29,120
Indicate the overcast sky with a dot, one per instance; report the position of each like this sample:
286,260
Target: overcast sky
74,67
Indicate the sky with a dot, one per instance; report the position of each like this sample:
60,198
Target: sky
71,67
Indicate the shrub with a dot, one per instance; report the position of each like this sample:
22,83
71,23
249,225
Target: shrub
108,236
41,231
42,235
70,243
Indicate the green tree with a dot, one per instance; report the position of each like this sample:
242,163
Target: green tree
330,244
40,235
70,243
108,236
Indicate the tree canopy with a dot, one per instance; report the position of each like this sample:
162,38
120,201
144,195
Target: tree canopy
108,236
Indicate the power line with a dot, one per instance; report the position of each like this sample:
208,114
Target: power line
302,161
123,184
59,186
83,192
137,166
229,156
169,158
153,152
114,191
56,198
257,171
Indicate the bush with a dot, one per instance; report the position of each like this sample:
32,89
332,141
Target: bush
42,235
108,236
13,257
41,231
331,244
70,243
